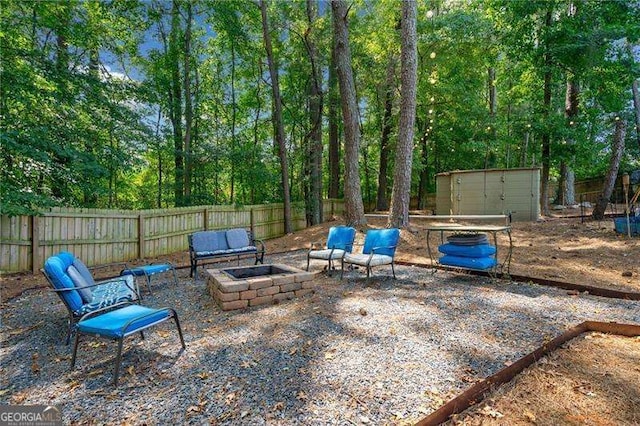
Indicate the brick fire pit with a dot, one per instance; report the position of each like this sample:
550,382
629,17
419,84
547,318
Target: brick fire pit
237,288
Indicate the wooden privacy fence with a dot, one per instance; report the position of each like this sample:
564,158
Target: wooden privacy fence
100,236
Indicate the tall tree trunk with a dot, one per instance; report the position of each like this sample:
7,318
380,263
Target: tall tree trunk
546,137
617,150
381,203
401,194
354,208
233,122
334,140
315,119
276,117
188,109
636,108
423,183
568,177
159,149
176,106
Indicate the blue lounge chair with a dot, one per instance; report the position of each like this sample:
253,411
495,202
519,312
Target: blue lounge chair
339,242
74,284
379,249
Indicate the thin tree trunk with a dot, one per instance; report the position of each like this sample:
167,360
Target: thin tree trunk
617,150
546,137
188,109
568,176
315,119
159,149
401,194
354,208
334,140
233,121
276,117
636,108
382,204
176,106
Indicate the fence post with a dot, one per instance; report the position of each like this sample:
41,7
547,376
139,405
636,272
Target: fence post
140,236
35,245
206,219
251,222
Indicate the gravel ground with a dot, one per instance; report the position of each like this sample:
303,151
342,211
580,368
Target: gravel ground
354,352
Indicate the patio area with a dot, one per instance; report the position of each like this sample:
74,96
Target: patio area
353,351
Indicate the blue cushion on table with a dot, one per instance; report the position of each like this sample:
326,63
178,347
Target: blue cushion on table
56,268
237,238
480,263
111,323
147,269
209,241
79,280
480,250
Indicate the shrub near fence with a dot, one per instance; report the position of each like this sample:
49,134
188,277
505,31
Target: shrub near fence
99,236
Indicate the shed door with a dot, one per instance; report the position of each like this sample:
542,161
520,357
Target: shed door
494,192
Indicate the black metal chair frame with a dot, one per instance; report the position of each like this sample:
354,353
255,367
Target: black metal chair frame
368,264
331,259
120,340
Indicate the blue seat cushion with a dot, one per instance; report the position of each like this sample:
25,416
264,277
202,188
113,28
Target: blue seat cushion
237,238
479,250
112,324
147,269
480,263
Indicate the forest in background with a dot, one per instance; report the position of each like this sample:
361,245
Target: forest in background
152,104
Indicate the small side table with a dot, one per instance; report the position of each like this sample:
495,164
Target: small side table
148,271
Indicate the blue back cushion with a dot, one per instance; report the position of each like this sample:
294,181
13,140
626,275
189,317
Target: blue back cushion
237,238
381,238
209,241
56,268
341,237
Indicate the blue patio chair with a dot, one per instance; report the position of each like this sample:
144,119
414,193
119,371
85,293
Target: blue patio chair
339,242
379,249
74,284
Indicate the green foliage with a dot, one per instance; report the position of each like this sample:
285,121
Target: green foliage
75,132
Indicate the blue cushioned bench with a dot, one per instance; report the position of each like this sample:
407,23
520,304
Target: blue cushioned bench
147,271
119,323
223,243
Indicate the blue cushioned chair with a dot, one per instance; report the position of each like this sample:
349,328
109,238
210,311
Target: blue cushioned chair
339,242
379,249
116,324
74,284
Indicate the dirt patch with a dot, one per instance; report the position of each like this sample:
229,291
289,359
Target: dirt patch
592,380
561,249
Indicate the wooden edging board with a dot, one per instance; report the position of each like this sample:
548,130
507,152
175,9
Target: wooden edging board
595,291
476,393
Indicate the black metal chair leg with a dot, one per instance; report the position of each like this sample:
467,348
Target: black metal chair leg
393,270
75,350
308,259
177,321
118,361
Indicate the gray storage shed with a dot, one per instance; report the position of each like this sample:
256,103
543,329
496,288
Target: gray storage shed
492,191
